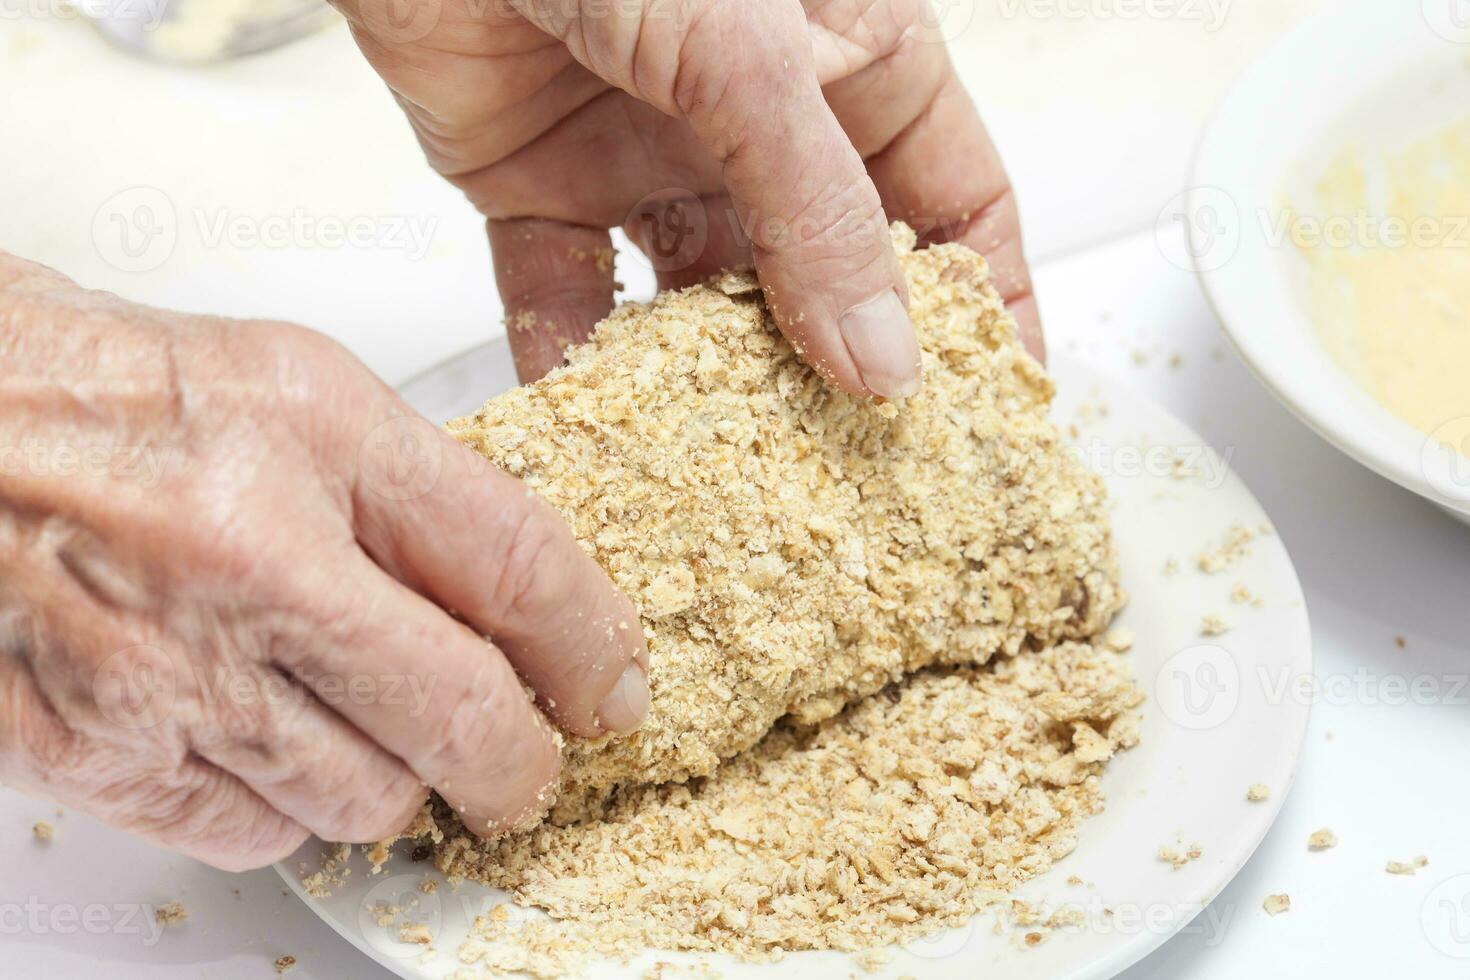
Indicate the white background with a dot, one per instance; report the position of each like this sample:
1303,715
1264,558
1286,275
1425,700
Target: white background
1096,111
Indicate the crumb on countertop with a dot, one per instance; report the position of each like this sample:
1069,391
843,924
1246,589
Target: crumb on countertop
1406,867
1322,839
170,914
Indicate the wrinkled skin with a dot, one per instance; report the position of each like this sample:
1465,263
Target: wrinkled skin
765,131
244,590
225,554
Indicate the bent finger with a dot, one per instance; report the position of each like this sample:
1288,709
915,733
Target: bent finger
556,283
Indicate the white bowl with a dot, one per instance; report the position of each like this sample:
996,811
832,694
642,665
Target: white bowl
1371,75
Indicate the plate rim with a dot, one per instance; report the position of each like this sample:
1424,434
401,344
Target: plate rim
1125,954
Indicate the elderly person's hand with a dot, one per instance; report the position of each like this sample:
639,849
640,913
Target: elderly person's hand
782,134
226,556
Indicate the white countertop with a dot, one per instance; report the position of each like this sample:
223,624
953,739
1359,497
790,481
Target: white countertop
1096,116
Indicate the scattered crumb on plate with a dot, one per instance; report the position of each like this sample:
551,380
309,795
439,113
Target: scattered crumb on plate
1257,792
1322,839
1213,625
43,831
415,932
1276,904
284,963
1178,857
1232,547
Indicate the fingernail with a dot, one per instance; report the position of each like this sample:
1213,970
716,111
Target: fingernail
881,340
626,704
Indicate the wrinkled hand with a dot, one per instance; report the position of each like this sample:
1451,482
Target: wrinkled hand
716,132
226,552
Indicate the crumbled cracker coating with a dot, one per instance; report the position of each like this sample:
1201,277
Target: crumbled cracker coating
793,549
907,813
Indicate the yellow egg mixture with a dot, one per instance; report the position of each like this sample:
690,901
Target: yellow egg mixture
1389,279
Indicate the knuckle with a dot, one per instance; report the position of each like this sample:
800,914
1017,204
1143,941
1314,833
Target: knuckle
530,556
215,818
479,728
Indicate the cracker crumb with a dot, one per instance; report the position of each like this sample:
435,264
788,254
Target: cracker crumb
43,831
1322,839
1241,595
1171,566
1213,625
872,960
429,886
1234,546
415,932
1119,639
170,914
1406,867
878,701
961,784
1276,904
284,963
1257,792
1178,857
1400,642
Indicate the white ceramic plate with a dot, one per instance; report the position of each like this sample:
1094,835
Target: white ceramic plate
1223,713
1371,75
